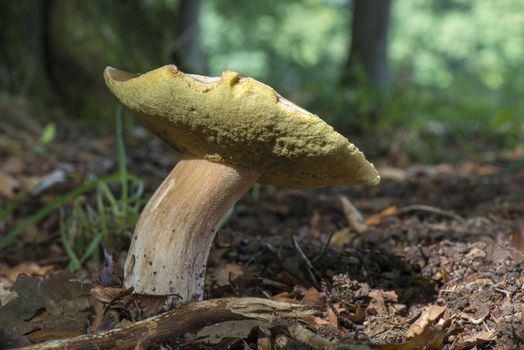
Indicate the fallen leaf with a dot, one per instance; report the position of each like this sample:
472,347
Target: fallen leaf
377,305
6,294
29,268
9,186
314,298
482,311
63,297
264,344
341,237
284,297
431,338
287,278
108,294
224,273
517,237
474,339
359,316
332,317
319,322
149,305
375,219
318,225
13,165
427,317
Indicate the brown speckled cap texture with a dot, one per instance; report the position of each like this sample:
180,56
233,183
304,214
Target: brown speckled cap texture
240,121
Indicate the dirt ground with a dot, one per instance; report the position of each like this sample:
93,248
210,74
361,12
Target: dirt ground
431,258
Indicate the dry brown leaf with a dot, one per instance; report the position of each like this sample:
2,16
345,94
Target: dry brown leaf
319,322
287,278
482,311
426,318
264,344
377,305
6,294
29,182
61,295
332,317
431,338
338,307
517,237
108,294
284,297
375,219
319,225
474,339
359,316
341,237
13,165
226,272
29,268
149,305
9,186
314,298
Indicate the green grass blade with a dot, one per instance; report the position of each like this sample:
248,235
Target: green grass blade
57,203
122,164
12,206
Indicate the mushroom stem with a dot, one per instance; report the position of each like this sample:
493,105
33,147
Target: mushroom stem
172,239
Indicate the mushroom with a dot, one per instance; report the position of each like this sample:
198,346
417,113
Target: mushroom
232,132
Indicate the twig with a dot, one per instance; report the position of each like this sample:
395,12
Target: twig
309,265
429,209
326,246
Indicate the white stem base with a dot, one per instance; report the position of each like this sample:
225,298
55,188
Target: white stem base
171,243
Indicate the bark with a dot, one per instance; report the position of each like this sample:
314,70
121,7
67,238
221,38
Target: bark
369,41
188,319
23,51
188,55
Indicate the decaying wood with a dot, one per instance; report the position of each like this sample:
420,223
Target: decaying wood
172,239
184,320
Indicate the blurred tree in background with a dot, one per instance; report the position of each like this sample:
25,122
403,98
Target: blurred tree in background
369,42
447,71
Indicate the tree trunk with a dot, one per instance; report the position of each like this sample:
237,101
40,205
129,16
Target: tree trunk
188,55
369,41
23,54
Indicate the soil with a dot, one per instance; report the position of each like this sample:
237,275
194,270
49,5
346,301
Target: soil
434,249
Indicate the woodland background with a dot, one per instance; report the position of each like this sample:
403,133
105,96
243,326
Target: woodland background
412,78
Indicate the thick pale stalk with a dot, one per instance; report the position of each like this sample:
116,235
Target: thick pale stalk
172,239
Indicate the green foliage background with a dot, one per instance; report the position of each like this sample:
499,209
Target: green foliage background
457,65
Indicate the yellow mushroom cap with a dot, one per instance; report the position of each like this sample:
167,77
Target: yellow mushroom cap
240,121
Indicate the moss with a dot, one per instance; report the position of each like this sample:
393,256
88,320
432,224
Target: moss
243,122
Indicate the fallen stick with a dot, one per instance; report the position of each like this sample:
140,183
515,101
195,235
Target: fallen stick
430,209
189,318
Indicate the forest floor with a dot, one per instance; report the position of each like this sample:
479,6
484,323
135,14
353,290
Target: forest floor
431,258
